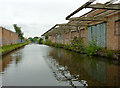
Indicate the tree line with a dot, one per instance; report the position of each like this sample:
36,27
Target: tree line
33,40
37,39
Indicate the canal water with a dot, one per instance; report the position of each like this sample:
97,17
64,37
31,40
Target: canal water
41,65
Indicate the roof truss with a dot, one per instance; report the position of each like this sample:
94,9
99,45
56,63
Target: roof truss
103,6
88,19
80,8
73,24
108,6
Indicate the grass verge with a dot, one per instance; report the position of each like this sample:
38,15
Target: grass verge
9,48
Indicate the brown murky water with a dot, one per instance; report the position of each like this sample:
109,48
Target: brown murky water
41,65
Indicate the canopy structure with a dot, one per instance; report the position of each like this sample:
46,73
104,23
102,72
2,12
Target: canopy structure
73,24
80,8
103,6
57,30
84,21
108,6
89,18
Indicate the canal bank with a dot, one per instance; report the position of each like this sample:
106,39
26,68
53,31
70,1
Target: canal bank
92,50
42,65
7,49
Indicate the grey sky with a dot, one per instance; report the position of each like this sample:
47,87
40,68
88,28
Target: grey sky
37,16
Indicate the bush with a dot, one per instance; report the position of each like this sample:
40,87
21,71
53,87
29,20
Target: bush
77,44
110,53
40,41
59,45
67,46
48,42
46,37
92,48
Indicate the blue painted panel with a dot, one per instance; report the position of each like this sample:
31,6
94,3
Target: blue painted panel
103,35
59,38
98,33
94,33
90,30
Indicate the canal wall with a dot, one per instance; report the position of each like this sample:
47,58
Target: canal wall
8,37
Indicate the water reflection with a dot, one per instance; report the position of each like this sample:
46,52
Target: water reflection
40,65
5,61
62,74
96,71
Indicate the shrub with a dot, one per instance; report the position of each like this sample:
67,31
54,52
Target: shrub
67,46
48,42
77,44
92,48
40,41
46,37
59,45
110,53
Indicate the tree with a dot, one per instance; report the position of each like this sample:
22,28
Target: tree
31,39
46,37
40,41
18,30
35,39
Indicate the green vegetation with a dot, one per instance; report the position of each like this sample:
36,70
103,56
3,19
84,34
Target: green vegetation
77,45
67,46
9,48
31,39
110,54
18,30
48,42
40,41
35,39
46,37
92,48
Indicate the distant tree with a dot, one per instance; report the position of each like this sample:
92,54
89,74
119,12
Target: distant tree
18,30
27,40
31,39
46,37
35,39
40,41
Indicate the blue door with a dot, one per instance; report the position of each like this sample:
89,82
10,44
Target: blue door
98,33
59,38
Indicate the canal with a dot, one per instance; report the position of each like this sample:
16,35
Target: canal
41,65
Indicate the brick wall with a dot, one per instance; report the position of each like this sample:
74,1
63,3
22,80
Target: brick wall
113,35
112,39
0,36
63,38
84,35
8,37
53,38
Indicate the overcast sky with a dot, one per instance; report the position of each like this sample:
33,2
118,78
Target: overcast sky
37,16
